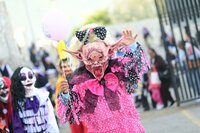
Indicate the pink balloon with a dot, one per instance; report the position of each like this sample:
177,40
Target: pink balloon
55,26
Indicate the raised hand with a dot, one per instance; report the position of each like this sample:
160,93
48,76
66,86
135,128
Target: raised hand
127,38
64,86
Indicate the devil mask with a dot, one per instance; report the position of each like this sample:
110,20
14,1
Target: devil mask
93,51
95,57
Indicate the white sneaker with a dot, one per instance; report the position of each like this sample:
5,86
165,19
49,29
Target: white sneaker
159,106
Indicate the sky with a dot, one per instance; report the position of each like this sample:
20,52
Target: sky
26,15
75,10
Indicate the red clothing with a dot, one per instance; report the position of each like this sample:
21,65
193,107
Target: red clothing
6,109
78,128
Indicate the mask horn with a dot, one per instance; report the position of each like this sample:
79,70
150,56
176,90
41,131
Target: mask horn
77,54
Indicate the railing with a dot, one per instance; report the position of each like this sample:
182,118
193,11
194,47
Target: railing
181,18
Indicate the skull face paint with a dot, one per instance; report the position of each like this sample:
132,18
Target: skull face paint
3,91
27,78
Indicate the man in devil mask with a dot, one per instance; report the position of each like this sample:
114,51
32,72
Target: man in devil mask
98,93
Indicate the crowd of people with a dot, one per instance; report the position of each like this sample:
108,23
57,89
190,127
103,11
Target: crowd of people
181,58
30,96
27,95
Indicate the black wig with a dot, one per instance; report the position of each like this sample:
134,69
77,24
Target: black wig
17,89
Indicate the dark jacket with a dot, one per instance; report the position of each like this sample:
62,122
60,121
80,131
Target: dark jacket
162,68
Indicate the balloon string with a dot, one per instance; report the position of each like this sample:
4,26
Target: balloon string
64,75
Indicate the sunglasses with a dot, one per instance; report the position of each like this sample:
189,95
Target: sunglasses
23,77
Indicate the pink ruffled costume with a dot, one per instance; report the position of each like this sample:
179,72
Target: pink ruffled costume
105,106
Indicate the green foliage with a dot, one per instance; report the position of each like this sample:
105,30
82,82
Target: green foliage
131,10
121,11
100,17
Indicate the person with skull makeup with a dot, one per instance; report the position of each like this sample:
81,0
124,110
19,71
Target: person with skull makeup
5,105
98,92
32,108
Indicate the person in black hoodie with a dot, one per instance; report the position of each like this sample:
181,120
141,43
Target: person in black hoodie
161,66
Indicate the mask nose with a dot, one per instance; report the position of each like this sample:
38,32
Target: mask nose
95,56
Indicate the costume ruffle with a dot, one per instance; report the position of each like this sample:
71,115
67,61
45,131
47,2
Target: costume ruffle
61,111
135,63
35,112
123,120
69,107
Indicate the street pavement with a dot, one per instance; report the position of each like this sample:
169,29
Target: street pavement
183,119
